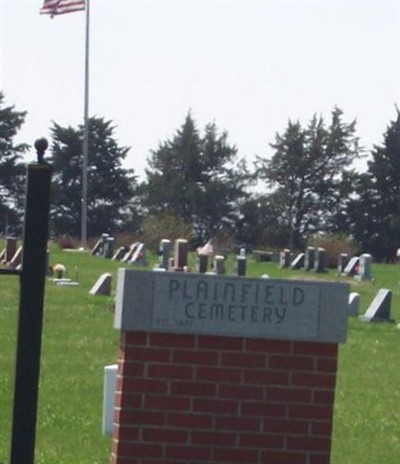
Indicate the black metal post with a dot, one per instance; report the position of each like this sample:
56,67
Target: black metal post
32,279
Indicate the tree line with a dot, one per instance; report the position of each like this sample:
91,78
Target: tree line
306,184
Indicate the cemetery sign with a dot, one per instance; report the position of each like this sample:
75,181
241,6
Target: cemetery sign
233,306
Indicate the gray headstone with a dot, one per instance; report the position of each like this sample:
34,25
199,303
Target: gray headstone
343,260
119,254
365,265
108,248
15,261
219,265
298,261
164,250
320,260
309,258
354,303
11,248
284,258
352,266
241,265
202,263
180,254
139,256
102,286
379,309
129,253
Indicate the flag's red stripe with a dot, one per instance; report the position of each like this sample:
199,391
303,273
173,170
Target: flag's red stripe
57,7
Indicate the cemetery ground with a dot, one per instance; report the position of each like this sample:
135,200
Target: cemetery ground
79,340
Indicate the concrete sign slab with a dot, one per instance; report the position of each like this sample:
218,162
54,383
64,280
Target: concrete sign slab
232,306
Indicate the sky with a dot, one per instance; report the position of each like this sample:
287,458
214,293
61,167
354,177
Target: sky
249,66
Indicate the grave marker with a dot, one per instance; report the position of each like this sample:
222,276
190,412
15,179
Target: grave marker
354,303
298,262
379,309
343,260
284,258
102,285
364,272
320,260
164,250
309,258
352,267
180,254
11,248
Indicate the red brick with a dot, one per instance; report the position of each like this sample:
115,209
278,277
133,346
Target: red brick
308,443
188,452
143,450
214,438
263,409
218,342
126,433
235,455
139,385
172,340
321,428
193,388
266,377
237,423
261,440
311,412
133,338
314,380
159,435
286,426
320,458
131,369
283,457
215,406
242,392
135,417
170,371
247,360
216,374
315,348
137,353
128,400
268,346
167,402
324,396
200,357
327,365
289,395
189,420
300,363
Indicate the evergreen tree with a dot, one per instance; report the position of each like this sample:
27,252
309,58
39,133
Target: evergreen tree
376,211
110,186
308,175
196,178
12,170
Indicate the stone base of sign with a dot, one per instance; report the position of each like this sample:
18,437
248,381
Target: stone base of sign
185,398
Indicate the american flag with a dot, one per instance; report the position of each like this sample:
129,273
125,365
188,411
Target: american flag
58,7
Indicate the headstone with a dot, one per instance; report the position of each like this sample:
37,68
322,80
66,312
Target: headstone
129,253
98,249
3,256
354,303
202,264
298,261
352,267
110,383
207,249
342,262
59,271
309,258
139,256
364,272
11,248
119,254
108,248
15,261
180,254
219,265
320,260
284,258
164,250
379,309
241,265
102,286
262,256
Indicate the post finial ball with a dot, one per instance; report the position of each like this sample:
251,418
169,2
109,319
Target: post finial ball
41,146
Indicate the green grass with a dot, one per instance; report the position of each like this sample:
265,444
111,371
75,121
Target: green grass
79,340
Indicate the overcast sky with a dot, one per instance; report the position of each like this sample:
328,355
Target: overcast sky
247,65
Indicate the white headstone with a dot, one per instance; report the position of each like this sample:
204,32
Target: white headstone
354,303
379,309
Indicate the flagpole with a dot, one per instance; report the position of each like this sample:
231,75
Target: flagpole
85,135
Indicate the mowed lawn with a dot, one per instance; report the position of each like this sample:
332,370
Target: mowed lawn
79,340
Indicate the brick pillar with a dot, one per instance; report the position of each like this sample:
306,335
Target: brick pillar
189,398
